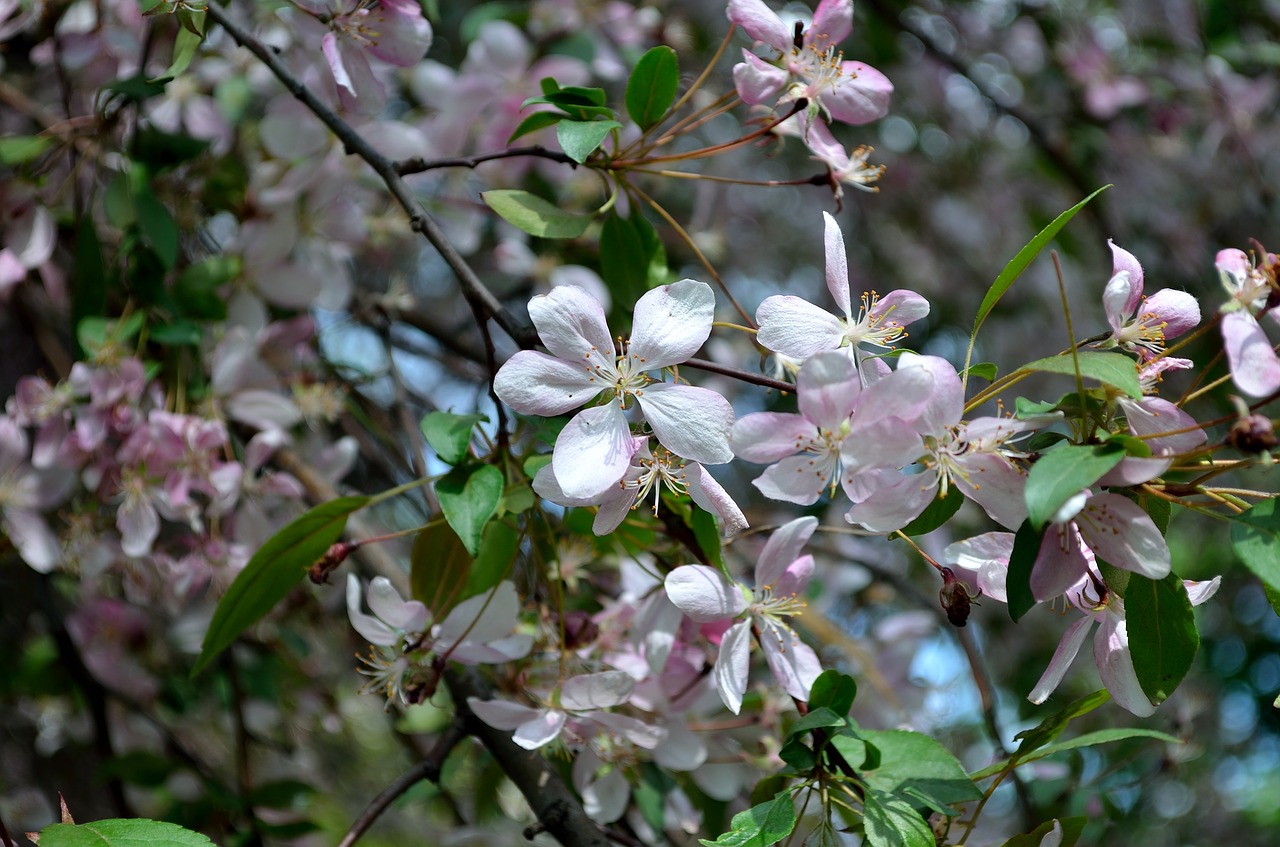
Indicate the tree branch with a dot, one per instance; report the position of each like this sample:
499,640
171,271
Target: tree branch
428,769
419,165
356,145
557,809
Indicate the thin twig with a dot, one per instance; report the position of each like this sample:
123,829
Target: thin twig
428,769
418,165
356,145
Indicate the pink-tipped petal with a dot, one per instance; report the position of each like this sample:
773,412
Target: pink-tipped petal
571,324
783,548
1068,647
1178,310
1254,366
832,23
760,22
534,383
757,81
793,663
1115,666
1123,260
767,437
861,96
829,389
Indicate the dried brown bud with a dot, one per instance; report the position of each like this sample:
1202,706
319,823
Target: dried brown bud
954,597
334,556
579,630
1252,434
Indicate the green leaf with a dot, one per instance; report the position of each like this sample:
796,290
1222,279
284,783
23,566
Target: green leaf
88,277
1255,537
1052,726
1114,369
650,794
95,333
439,569
798,755
985,370
707,533
1019,262
184,49
892,822
652,87
136,88
196,290
855,750
161,150
833,690
532,214
450,434
16,149
629,251
1089,739
761,825
819,718
1071,829
942,509
1163,639
121,832
155,223
498,548
1026,549
535,122
1158,509
579,139
912,759
276,568
1060,474
468,498
180,333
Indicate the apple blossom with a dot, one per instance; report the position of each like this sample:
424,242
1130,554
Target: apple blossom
707,596
1139,323
808,66
1255,369
595,448
794,327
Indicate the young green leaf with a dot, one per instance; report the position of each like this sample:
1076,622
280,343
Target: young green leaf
1089,739
184,48
652,87
579,139
912,759
532,214
439,567
1062,473
1163,639
17,149
450,434
121,832
892,822
631,256
760,826
1068,833
1255,537
817,718
277,566
468,498
158,229
197,289
1113,369
535,122
1052,726
1026,549
499,545
833,690
1019,263
942,509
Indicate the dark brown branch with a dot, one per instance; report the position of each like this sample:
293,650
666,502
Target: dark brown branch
419,165
356,145
556,807
739,373
428,769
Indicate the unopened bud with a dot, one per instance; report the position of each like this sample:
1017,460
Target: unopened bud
328,563
954,597
1252,434
579,630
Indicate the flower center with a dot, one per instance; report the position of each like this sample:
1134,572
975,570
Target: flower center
872,325
623,374
657,472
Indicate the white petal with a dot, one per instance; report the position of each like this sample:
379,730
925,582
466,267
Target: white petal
571,323
732,667
592,452
783,548
636,731
672,322
704,594
385,602
1115,666
370,628
837,264
794,664
987,556
799,479
534,383
829,389
795,327
489,616
1068,647
766,437
542,730
596,691
1122,534
691,422
502,714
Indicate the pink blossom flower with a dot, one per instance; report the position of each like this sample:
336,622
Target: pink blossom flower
595,449
843,430
974,456
1111,650
392,30
581,713
24,493
706,596
1139,323
794,327
808,67
1255,369
645,479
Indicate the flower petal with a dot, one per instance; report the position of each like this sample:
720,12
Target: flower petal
732,667
534,383
711,497
571,323
766,437
592,452
596,691
398,613
1115,666
795,327
704,594
760,22
694,423
832,23
482,618
1177,310
829,389
783,548
1254,366
671,323
370,628
756,80
837,264
1068,647
793,663
543,729
861,96
1122,534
